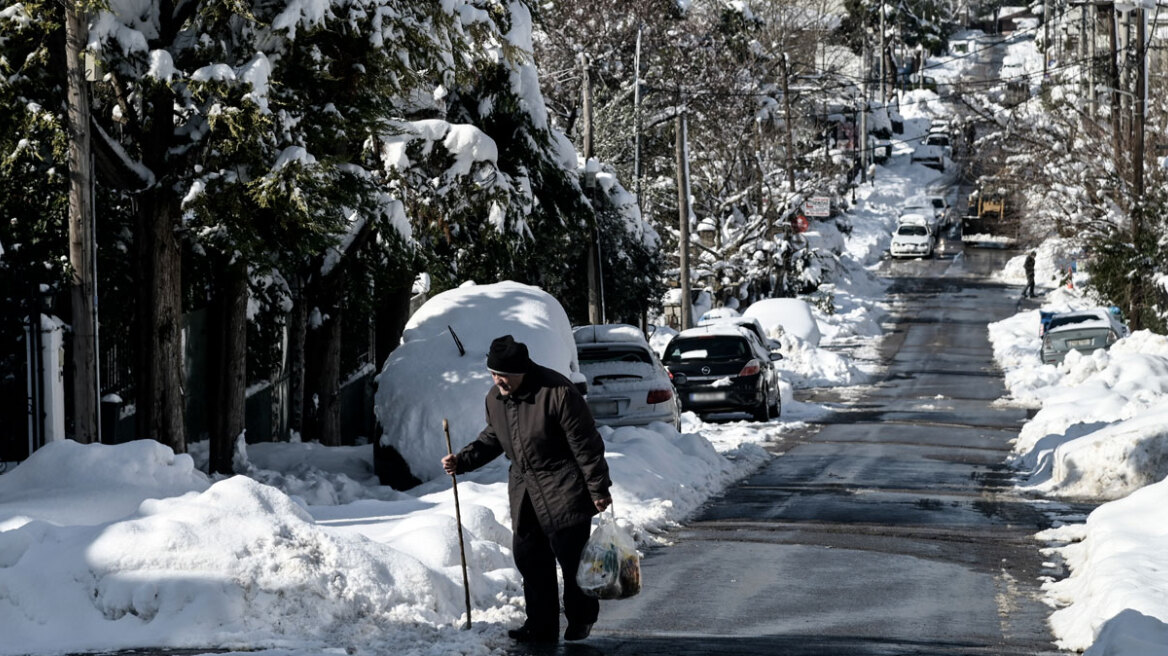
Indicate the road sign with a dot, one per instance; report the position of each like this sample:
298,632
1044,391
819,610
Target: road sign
818,206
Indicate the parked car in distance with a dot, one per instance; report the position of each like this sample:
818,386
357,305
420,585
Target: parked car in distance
1080,330
941,209
713,314
941,140
924,206
931,156
742,321
724,368
912,237
626,383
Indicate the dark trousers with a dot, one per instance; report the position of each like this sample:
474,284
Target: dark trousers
536,553
1029,291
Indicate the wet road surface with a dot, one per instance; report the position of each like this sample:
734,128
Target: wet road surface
889,528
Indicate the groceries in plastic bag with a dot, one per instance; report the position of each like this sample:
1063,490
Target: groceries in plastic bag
610,567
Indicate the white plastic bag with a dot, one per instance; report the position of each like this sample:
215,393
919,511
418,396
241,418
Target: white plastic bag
610,567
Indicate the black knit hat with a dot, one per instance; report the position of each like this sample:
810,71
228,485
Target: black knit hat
508,356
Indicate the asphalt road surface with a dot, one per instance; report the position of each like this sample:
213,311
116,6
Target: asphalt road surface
890,528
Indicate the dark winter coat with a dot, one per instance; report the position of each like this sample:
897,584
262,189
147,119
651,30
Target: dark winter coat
557,457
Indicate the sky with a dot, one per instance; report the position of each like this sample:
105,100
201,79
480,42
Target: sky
303,552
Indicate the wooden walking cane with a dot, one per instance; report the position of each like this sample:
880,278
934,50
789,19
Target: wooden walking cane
458,519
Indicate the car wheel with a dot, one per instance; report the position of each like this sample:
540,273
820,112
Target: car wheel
777,408
762,412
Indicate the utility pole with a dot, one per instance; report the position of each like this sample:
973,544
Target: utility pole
81,238
790,145
1139,102
1045,37
683,219
864,116
1113,83
883,59
637,118
589,189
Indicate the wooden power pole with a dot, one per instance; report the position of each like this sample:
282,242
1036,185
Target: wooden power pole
81,238
594,314
683,219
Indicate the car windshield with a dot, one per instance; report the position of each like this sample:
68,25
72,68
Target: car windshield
714,347
938,203
595,355
912,230
1068,320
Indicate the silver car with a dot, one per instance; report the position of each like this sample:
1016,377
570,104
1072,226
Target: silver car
1081,330
626,382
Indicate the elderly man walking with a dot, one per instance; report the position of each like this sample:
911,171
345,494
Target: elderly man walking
558,481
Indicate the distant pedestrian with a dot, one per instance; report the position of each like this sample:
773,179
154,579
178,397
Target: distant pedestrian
1029,266
558,481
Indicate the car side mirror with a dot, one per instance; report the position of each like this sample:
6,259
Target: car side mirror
775,355
679,379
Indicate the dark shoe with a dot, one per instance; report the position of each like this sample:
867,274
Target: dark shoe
527,634
577,631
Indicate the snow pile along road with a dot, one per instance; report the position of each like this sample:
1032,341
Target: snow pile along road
1100,433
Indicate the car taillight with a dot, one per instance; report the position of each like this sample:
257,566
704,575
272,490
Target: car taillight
751,369
659,396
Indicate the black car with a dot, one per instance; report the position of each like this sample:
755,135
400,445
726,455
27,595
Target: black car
723,368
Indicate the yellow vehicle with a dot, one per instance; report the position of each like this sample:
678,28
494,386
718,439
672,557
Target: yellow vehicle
987,216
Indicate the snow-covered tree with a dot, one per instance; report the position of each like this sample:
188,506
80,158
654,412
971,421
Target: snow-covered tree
721,63
313,156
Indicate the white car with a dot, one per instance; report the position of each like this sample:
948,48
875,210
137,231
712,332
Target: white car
941,140
626,383
912,238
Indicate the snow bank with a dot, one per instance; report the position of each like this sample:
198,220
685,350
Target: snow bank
1101,432
1117,594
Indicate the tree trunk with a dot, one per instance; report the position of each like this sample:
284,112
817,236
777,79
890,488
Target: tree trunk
393,311
330,370
227,367
297,332
159,374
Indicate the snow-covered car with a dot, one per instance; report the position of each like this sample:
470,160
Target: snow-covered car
714,314
936,204
439,371
742,321
927,207
912,238
929,155
626,383
1080,330
791,316
724,368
